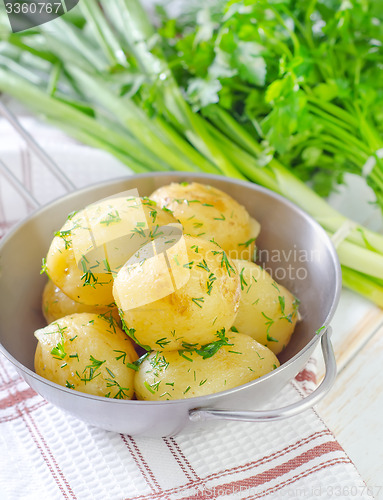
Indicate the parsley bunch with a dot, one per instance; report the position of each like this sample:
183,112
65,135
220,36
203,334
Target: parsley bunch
304,78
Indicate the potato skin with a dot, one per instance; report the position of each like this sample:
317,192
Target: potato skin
78,350
62,269
210,213
169,375
192,313
268,312
110,218
56,305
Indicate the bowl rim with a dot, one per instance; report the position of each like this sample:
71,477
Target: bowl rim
197,400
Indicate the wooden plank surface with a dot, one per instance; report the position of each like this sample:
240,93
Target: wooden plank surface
356,320
353,409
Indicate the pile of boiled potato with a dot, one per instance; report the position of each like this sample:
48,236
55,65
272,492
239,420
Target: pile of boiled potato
158,298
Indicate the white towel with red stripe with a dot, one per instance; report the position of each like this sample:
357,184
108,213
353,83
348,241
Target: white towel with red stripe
46,454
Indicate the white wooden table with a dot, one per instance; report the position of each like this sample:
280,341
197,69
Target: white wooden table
353,409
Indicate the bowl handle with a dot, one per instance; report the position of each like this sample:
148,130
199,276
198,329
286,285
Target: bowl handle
39,152
200,414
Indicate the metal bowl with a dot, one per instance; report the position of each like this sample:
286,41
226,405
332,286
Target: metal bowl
293,247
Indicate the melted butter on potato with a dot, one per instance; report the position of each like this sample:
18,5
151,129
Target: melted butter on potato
186,374
87,352
79,259
55,305
169,317
268,312
209,213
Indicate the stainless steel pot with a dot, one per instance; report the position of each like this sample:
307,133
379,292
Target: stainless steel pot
295,249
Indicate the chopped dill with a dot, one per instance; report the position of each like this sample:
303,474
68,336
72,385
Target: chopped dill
111,218
203,265
268,323
198,301
242,279
247,243
162,342
209,283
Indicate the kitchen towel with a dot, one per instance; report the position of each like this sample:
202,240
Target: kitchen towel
48,454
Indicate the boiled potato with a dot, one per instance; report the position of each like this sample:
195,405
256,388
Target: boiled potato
186,374
267,312
163,316
208,212
55,305
97,240
87,353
